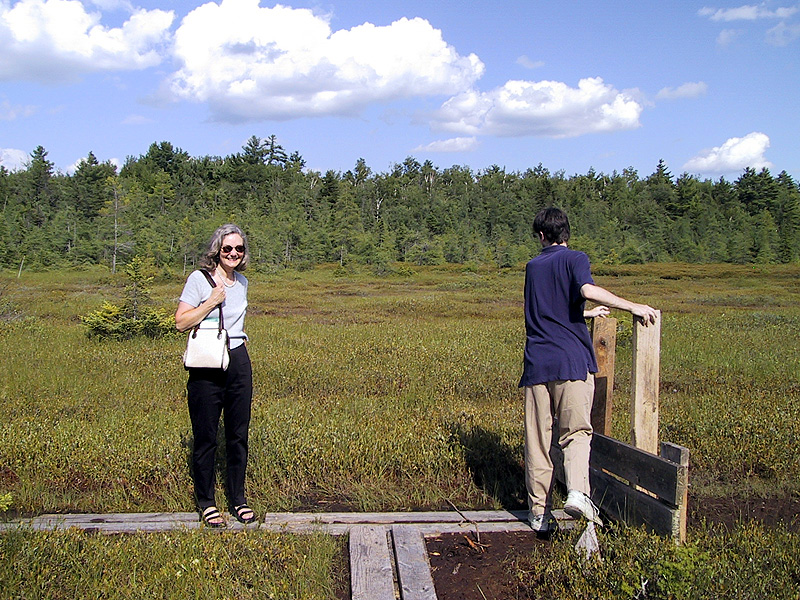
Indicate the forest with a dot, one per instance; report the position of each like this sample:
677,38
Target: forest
164,204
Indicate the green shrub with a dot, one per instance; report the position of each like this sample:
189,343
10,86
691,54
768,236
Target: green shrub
113,322
134,318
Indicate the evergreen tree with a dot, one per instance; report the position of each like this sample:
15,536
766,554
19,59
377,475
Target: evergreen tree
789,204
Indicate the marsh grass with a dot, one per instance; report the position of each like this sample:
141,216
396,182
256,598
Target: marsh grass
382,393
749,562
69,564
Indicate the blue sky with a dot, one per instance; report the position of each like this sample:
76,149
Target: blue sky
710,88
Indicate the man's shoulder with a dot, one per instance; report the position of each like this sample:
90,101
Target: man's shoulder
561,252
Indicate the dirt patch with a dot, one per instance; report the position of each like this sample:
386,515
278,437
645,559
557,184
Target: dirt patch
341,571
8,477
463,570
729,511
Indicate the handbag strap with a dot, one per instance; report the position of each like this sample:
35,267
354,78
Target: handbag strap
213,283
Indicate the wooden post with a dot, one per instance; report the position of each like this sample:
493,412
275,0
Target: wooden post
644,384
604,339
680,455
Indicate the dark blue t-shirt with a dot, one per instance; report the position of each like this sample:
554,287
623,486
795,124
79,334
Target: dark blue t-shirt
558,345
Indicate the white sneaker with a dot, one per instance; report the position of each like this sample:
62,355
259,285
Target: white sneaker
580,505
542,523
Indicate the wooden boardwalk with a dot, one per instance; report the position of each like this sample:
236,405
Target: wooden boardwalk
388,557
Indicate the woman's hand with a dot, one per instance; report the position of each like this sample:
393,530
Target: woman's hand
217,293
187,316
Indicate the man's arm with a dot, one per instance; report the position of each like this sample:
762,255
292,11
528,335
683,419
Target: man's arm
602,296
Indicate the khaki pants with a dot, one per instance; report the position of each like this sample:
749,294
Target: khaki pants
571,403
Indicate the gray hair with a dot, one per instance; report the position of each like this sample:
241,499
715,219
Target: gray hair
210,258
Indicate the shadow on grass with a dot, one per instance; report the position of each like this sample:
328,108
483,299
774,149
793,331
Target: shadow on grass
496,467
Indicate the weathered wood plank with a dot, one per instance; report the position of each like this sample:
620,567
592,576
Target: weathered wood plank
115,527
625,503
644,384
680,455
565,523
653,473
638,467
604,339
631,506
302,528
120,517
370,564
413,566
429,523
395,517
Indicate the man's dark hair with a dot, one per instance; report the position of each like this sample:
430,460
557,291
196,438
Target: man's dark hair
553,223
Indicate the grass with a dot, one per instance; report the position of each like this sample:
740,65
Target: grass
70,564
750,562
380,393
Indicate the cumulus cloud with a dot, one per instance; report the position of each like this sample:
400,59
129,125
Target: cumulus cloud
12,112
734,155
249,62
457,144
747,12
57,40
783,34
540,108
727,36
13,159
687,90
528,63
136,120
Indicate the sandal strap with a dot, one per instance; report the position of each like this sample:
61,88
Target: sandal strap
243,508
210,513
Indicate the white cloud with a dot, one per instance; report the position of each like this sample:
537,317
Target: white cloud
687,90
747,12
528,63
113,5
136,120
783,34
56,40
543,108
458,144
250,62
734,155
13,159
727,36
11,112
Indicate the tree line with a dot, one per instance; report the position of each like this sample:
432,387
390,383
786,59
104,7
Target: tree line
164,204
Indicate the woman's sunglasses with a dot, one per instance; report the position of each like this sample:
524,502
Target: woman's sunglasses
227,249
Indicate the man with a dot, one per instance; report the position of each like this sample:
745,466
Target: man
559,367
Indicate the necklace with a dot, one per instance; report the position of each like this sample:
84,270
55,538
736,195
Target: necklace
225,280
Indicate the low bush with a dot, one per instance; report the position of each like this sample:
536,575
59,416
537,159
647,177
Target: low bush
134,318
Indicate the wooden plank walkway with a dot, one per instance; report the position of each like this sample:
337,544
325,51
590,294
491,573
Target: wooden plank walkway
388,557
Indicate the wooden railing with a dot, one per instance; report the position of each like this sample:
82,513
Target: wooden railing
644,482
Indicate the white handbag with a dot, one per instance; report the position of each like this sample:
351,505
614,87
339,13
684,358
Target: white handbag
207,346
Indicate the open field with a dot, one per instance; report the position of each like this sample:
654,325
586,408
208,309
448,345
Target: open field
391,393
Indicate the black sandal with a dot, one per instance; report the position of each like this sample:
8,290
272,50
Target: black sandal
244,514
211,517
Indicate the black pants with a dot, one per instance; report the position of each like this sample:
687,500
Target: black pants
212,393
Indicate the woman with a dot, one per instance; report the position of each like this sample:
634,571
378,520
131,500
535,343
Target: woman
213,392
